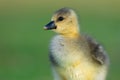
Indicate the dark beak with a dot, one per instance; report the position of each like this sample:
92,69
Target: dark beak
50,25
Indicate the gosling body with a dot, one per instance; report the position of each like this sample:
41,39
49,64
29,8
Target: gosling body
74,56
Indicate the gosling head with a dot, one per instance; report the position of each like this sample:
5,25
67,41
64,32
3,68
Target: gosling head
64,22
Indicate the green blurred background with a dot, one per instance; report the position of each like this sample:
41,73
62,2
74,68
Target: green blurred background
24,43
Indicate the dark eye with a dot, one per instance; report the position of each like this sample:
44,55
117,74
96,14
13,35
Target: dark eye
60,19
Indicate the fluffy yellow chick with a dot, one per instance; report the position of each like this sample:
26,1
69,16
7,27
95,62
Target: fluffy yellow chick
74,56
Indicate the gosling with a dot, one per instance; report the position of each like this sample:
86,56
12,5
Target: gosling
74,56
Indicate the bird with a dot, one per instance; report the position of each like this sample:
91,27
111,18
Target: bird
73,55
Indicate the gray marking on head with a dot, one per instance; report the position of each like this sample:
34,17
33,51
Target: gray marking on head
63,11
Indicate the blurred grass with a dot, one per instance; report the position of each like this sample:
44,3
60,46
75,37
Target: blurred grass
24,43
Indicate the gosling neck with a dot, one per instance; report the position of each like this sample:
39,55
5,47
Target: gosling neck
71,35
